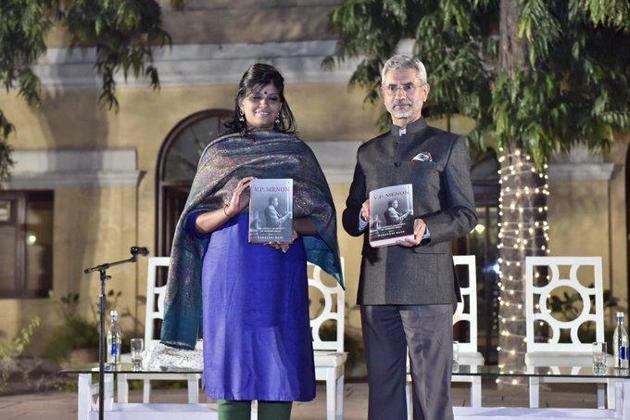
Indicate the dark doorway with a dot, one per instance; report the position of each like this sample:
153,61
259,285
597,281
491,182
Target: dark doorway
177,164
482,243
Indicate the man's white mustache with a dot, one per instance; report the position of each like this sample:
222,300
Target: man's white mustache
401,104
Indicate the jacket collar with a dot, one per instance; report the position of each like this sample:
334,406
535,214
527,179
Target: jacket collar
413,128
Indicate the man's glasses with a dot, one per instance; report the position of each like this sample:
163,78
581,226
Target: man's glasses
407,88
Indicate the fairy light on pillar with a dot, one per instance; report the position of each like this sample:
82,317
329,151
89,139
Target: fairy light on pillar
523,231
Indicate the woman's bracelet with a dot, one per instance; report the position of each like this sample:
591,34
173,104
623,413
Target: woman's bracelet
225,211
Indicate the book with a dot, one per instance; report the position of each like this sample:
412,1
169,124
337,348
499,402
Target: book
391,215
271,210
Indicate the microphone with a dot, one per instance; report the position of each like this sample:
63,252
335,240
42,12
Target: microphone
135,250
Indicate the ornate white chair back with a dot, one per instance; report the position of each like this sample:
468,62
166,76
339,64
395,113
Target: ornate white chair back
332,309
467,313
537,310
155,299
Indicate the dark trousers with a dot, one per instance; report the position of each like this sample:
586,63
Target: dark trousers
427,331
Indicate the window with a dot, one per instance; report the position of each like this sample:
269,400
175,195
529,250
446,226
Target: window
177,164
26,233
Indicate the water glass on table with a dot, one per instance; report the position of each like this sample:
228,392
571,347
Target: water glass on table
599,357
137,347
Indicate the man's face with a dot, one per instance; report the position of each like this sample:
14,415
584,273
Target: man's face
404,94
274,202
395,204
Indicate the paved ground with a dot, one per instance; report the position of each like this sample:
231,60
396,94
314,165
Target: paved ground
62,405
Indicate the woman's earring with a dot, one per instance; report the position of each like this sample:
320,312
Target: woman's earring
241,117
278,120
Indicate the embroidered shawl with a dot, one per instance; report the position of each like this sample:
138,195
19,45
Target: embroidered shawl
225,161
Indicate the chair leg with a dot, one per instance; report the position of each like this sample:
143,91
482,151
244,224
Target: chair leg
84,400
254,410
534,392
330,394
108,401
193,389
146,391
123,389
622,395
339,396
475,392
409,401
601,396
610,393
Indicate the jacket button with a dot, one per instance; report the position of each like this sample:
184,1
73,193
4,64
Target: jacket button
397,164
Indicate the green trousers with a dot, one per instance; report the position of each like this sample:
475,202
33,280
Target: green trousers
241,410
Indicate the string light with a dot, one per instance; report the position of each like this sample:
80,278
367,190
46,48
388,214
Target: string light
522,231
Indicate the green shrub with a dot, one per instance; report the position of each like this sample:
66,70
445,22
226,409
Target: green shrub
75,333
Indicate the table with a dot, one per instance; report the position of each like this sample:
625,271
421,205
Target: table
117,410
617,380
620,382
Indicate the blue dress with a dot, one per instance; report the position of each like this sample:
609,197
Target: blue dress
256,334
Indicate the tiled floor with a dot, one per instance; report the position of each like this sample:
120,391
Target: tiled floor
63,405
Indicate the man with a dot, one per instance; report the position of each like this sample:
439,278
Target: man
407,292
393,216
273,219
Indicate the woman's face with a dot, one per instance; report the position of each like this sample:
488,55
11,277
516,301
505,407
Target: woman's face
262,106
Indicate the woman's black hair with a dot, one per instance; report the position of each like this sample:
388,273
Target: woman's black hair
260,74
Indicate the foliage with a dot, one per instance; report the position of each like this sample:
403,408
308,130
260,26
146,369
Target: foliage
122,32
571,88
568,306
76,332
11,349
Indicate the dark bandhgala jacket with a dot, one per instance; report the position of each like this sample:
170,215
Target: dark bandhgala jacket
442,197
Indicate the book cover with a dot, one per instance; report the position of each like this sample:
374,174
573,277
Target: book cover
391,215
271,210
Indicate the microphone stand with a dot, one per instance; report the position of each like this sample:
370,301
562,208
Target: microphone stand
102,269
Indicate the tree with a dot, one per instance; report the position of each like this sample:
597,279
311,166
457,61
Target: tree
537,77
123,33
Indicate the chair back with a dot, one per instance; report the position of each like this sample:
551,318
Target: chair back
537,310
155,299
332,309
467,313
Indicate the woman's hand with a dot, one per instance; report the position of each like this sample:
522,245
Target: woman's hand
210,221
284,246
238,201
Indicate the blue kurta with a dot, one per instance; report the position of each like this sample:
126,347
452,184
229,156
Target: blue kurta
257,340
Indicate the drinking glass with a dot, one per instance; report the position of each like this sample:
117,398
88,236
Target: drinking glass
599,357
137,347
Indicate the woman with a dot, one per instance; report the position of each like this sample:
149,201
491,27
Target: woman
253,298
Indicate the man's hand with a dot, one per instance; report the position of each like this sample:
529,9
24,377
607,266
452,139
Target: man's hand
365,211
418,233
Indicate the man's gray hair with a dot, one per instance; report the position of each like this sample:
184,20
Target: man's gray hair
401,61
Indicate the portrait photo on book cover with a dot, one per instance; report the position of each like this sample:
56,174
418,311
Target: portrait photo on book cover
390,213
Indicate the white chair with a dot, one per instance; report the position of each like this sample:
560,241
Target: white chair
154,311
552,353
330,358
468,354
